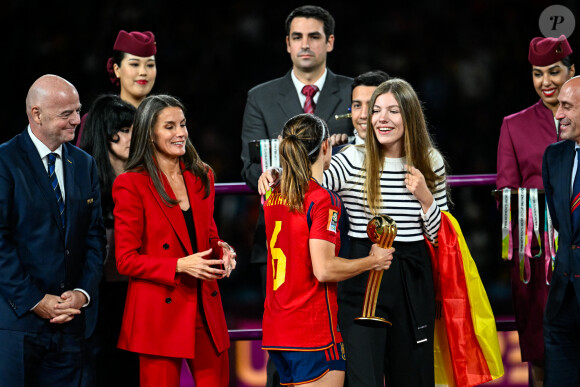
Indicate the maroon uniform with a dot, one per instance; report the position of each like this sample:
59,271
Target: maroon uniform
524,138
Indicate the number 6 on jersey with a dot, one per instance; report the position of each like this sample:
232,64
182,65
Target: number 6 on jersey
278,258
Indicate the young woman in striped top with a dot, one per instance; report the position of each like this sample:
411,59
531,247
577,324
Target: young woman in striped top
398,173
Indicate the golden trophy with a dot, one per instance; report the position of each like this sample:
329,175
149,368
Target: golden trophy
381,230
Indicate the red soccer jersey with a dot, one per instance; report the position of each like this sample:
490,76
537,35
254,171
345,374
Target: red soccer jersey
300,313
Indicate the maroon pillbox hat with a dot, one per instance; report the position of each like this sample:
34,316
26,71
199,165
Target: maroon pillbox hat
136,43
546,51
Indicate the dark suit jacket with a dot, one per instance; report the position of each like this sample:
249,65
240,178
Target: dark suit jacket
557,173
38,256
268,108
150,236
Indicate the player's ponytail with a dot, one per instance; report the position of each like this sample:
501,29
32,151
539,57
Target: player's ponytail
302,139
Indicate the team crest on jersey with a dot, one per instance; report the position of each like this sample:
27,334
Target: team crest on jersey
332,220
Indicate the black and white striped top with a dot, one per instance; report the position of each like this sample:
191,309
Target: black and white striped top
346,177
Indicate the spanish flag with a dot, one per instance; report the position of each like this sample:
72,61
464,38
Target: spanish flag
466,345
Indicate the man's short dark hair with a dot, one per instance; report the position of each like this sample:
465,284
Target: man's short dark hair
315,12
370,78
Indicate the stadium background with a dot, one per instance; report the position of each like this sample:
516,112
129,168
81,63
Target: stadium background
467,60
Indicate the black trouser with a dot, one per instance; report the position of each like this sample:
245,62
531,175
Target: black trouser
51,358
107,365
562,337
390,353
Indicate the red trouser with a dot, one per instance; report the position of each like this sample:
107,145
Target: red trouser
209,369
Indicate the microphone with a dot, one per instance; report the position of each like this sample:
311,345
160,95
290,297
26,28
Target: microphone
342,116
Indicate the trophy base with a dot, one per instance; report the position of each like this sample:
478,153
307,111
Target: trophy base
373,322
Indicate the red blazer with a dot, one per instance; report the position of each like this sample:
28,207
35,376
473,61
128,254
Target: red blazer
161,307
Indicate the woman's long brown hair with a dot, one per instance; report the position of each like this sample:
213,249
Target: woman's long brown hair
416,139
302,139
142,151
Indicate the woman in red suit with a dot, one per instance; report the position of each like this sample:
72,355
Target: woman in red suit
167,243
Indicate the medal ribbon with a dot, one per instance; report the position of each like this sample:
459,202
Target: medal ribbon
550,245
535,214
524,262
506,225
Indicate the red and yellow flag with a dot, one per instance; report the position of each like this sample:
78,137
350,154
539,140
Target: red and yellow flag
467,350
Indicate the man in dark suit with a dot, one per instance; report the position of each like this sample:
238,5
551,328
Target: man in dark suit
51,242
561,176
310,37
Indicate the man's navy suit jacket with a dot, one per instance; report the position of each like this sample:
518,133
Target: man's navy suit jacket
38,256
557,168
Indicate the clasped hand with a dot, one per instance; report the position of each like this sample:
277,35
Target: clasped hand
196,265
61,309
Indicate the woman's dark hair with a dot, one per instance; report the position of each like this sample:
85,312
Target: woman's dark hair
302,139
107,116
142,152
117,58
567,61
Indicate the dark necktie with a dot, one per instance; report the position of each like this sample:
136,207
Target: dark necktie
55,186
575,211
309,91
